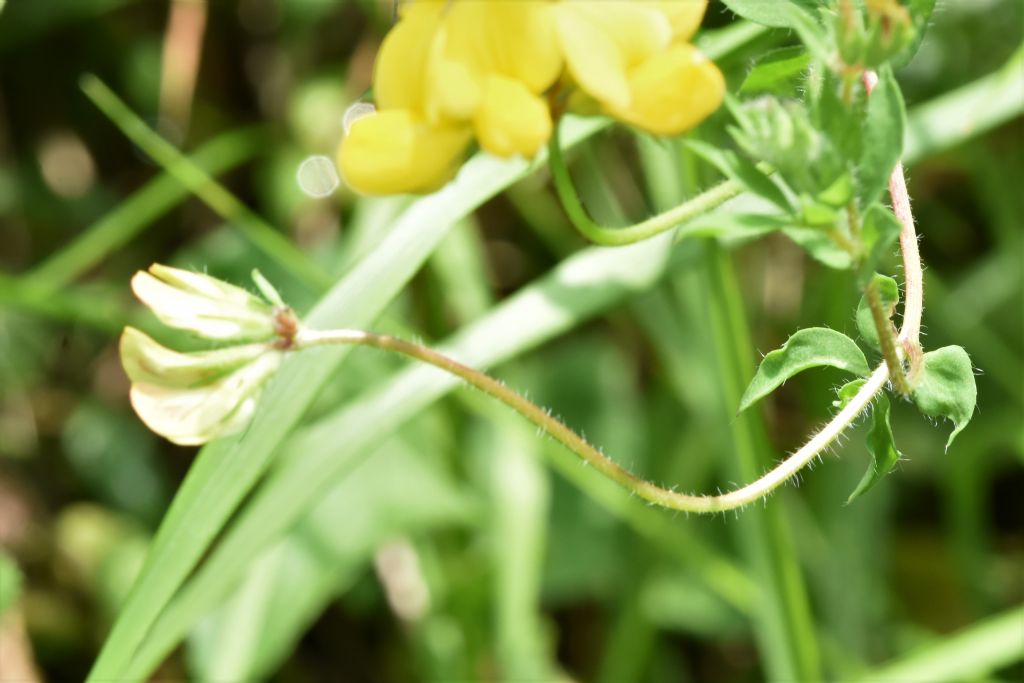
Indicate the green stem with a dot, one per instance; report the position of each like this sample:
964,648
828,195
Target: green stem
588,453
655,225
886,339
215,195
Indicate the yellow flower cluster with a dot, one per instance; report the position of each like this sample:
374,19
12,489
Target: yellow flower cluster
452,70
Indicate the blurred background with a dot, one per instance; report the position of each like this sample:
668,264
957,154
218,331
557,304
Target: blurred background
467,548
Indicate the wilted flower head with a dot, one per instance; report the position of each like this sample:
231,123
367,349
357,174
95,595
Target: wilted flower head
191,398
454,70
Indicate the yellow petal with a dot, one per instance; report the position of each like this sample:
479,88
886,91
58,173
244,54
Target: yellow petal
454,75
511,120
683,15
592,56
399,72
513,38
395,151
673,91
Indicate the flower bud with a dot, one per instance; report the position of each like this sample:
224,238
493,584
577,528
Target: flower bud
204,305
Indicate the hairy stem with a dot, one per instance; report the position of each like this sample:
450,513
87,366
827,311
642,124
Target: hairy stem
913,274
590,454
655,225
886,339
909,336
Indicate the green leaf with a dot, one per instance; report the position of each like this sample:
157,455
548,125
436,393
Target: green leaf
777,72
820,245
809,348
774,13
884,124
879,233
846,393
889,293
884,455
743,171
920,16
946,387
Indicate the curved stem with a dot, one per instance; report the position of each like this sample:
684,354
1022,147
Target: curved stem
655,225
590,454
784,471
913,274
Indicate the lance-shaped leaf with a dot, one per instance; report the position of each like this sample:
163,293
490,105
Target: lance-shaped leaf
946,387
884,455
810,348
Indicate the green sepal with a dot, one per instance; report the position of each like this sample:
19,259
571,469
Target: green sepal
809,348
945,387
889,293
882,447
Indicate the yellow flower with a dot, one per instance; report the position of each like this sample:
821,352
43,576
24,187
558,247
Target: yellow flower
632,58
454,70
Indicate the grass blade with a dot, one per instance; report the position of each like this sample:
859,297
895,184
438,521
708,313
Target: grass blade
216,196
133,215
226,470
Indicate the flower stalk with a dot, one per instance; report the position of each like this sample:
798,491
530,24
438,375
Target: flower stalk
646,229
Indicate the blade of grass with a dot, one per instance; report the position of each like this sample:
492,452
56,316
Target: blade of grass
970,654
227,469
976,107
139,211
102,313
579,288
216,196
316,458
397,493
785,626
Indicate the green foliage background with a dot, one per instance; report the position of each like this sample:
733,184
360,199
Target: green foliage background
429,535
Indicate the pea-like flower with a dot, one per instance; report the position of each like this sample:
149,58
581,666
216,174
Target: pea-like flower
191,398
451,71
206,306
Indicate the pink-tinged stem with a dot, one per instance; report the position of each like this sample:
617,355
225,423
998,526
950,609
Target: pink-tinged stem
913,306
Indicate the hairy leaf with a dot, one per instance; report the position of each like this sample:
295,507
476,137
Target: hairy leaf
810,348
946,387
883,137
743,171
777,72
846,392
889,293
879,233
884,455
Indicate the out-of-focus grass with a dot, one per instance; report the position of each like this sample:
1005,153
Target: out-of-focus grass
400,530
